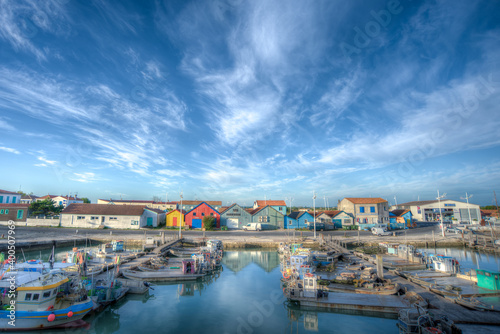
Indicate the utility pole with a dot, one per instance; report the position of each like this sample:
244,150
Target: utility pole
314,208
440,213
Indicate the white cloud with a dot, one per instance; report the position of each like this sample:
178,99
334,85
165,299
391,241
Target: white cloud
10,150
46,161
86,177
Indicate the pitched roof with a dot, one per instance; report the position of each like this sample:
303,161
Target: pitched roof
65,197
154,210
29,197
180,211
15,205
134,201
332,213
8,192
201,203
211,203
399,212
254,211
225,208
100,209
294,214
365,200
417,203
490,213
270,202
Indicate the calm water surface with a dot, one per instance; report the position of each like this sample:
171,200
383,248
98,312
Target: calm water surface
245,297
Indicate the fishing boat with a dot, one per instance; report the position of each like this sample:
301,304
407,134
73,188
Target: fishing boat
418,321
187,270
446,264
135,286
42,301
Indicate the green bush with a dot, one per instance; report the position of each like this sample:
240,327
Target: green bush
208,223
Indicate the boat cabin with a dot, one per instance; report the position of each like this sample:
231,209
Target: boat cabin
294,247
488,279
310,285
188,267
443,263
298,260
118,245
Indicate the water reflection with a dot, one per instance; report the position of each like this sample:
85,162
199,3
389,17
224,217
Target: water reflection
308,319
236,261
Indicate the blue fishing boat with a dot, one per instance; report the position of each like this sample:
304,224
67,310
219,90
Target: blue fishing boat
41,300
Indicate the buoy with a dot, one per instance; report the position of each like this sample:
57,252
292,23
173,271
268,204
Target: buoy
51,307
286,277
70,314
51,317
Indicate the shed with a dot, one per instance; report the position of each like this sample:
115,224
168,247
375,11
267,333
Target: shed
195,216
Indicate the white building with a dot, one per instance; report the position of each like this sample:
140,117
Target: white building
164,206
61,200
9,197
110,216
453,211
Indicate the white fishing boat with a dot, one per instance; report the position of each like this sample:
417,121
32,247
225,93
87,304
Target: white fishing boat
41,300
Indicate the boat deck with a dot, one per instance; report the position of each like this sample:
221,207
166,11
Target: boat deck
358,302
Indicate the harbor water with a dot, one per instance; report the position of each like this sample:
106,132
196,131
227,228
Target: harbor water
244,297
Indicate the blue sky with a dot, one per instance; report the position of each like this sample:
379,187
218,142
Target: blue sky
240,100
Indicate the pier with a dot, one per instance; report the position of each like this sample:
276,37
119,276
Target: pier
438,304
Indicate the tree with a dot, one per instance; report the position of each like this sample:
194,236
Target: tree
85,200
208,223
45,207
156,199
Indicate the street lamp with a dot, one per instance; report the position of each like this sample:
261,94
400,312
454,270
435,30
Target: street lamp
468,208
440,213
314,208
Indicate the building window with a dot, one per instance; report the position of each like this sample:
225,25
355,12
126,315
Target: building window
113,218
14,200
80,217
362,209
372,209
235,210
211,213
7,199
20,214
134,222
94,218
6,211
1,212
203,213
289,222
1,199
194,213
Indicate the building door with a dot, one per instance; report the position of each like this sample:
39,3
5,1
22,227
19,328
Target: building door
150,221
174,221
232,223
196,223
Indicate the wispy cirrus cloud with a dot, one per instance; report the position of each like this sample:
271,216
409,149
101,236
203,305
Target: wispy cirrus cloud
9,149
86,177
23,21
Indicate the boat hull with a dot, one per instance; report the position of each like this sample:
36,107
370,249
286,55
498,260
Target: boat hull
34,320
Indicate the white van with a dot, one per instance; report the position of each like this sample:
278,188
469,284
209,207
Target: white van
252,227
380,231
